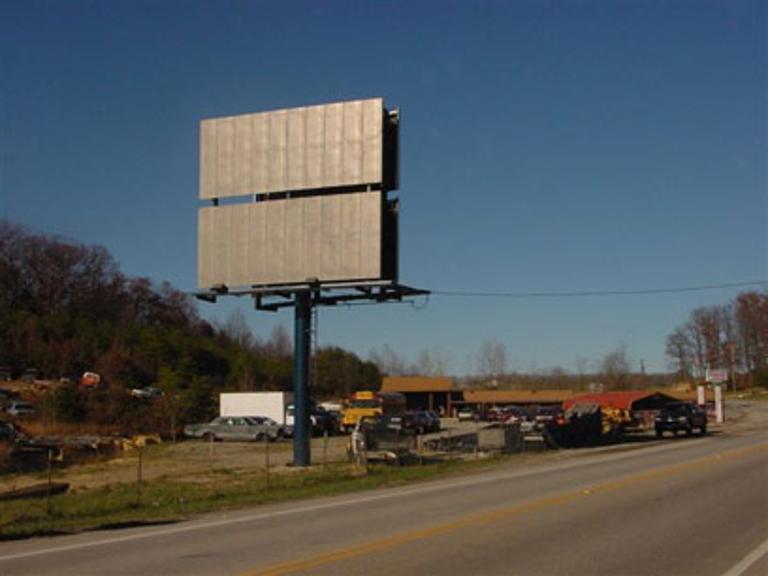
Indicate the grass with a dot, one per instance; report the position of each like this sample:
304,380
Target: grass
166,499
749,394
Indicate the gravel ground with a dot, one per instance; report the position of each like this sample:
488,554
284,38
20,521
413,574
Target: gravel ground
745,415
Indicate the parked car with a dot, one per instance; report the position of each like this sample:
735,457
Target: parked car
147,392
431,420
496,414
407,423
241,428
8,431
466,413
380,437
324,421
90,380
549,415
30,375
514,415
680,416
321,421
6,397
415,422
20,408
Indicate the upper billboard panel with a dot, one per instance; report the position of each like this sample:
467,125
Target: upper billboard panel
345,144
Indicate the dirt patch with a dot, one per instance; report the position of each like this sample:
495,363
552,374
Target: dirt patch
192,460
745,415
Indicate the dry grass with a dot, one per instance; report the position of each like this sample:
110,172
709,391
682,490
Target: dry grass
48,427
5,455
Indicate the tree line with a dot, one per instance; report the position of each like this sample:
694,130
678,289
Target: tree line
733,337
66,308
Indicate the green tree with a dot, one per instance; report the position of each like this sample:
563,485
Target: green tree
69,404
340,373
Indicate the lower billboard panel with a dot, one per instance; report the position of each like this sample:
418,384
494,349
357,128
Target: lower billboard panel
334,238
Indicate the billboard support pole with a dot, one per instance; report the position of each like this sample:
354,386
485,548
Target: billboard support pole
301,352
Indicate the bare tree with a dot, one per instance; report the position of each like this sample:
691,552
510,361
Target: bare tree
697,348
616,368
734,336
388,361
237,329
279,343
425,366
492,359
751,318
582,365
432,362
681,353
708,322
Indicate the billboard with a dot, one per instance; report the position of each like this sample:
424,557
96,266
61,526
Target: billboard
341,145
331,237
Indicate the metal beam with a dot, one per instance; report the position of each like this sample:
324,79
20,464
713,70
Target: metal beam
333,295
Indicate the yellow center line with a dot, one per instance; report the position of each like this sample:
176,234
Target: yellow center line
486,518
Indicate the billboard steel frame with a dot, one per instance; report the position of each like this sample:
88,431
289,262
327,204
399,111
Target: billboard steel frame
304,298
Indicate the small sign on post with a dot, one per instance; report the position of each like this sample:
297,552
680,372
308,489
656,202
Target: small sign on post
717,376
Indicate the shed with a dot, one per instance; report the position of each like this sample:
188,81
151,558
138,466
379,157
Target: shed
633,400
424,393
643,404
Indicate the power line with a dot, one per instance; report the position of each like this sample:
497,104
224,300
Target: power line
576,294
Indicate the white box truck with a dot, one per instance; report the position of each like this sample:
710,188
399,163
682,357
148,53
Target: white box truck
271,404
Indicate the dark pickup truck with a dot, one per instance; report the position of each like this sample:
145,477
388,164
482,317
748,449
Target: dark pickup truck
680,416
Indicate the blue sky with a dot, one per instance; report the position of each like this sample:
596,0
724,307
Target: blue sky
545,146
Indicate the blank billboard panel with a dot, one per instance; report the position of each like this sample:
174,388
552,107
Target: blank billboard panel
334,238
345,144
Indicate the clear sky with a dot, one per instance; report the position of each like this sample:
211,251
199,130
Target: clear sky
545,147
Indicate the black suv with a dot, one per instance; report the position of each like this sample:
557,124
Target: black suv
679,416
8,431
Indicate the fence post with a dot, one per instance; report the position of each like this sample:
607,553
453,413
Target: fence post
266,460
139,476
50,474
477,439
325,449
420,445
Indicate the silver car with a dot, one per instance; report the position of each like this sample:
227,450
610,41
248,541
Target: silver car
19,408
240,428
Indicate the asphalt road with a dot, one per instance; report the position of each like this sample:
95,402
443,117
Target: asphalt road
687,506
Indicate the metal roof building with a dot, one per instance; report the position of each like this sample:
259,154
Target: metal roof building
624,399
484,397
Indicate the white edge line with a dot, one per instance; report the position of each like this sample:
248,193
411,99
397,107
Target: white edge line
748,560
351,502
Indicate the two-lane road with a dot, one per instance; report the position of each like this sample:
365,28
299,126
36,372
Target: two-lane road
689,506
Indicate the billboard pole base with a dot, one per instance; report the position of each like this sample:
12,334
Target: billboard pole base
302,339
